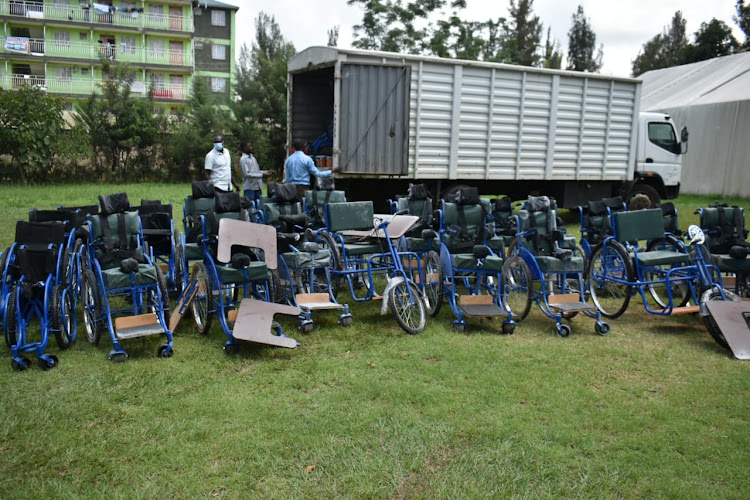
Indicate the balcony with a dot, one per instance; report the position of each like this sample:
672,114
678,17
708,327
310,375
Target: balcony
79,14
88,51
86,86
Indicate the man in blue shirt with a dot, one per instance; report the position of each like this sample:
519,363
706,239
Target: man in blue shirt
298,168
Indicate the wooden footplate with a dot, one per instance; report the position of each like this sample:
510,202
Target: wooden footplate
137,326
569,302
480,306
255,319
733,319
316,301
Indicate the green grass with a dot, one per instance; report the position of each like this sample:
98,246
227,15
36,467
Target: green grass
655,409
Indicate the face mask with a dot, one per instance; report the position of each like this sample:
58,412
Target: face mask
218,146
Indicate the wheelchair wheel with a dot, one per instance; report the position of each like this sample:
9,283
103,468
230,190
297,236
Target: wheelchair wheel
336,261
516,287
409,314
432,281
607,264
11,319
68,267
202,301
658,291
61,316
714,293
179,269
161,281
92,307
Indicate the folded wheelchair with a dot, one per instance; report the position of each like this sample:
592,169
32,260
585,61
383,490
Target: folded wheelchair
162,241
124,293
547,268
42,259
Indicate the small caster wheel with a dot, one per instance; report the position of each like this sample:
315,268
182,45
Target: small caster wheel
459,327
48,365
118,357
306,326
231,348
602,328
345,320
19,367
509,328
26,361
563,330
164,351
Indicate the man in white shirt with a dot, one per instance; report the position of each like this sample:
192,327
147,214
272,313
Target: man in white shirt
252,175
218,166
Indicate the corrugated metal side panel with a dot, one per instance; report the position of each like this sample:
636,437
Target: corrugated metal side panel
536,116
433,122
622,134
567,140
506,96
474,122
373,128
594,129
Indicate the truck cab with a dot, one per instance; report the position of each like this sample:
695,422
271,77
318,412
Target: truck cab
658,160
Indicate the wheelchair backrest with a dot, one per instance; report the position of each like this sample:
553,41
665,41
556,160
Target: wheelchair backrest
669,216
596,222
638,225
315,202
502,214
74,218
273,210
421,208
193,209
463,224
352,215
724,227
542,231
39,246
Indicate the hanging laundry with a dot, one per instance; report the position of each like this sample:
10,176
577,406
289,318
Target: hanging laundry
101,8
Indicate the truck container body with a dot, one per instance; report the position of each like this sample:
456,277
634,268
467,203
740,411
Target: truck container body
507,129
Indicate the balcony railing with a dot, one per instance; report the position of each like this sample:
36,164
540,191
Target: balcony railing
83,14
85,50
85,86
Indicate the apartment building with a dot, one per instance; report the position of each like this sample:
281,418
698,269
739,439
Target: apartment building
214,40
59,45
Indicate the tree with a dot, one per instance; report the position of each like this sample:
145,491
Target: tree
713,39
665,50
261,91
552,58
582,44
31,125
742,19
526,31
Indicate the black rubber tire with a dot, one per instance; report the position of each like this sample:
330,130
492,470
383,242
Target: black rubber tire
406,311
636,198
683,290
433,288
615,301
11,319
67,267
337,263
48,365
92,307
60,314
563,331
77,257
179,267
162,352
161,281
201,304
118,357
517,283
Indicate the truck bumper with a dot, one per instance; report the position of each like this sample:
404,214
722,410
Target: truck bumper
672,191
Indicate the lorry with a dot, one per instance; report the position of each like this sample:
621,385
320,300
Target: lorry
395,119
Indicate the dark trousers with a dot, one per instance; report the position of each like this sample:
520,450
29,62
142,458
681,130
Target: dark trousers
301,188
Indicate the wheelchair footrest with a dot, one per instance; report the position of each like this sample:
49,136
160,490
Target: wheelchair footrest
685,310
480,306
569,302
316,301
137,326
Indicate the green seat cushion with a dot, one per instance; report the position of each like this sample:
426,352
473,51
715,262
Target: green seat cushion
114,278
550,264
305,259
193,251
727,264
356,215
660,257
257,270
422,245
499,242
468,261
364,248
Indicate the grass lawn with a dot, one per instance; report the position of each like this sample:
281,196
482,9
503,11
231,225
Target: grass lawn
654,409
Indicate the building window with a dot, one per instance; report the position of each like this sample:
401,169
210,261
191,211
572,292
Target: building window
218,51
64,74
198,11
83,36
199,45
127,44
157,81
218,84
156,47
62,39
156,13
84,72
218,18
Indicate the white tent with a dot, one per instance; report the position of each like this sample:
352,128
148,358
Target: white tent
711,98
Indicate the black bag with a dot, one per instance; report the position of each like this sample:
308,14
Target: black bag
227,202
203,189
468,196
129,265
418,192
284,193
114,203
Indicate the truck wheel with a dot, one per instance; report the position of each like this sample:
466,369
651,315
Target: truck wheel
643,196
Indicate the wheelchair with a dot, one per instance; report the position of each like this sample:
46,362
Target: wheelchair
620,268
123,292
42,258
503,220
316,200
223,273
471,261
596,221
726,241
365,256
162,241
547,268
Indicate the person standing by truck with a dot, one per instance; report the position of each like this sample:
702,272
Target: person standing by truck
252,175
298,168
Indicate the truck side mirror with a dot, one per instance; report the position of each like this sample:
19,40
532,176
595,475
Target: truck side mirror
684,140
